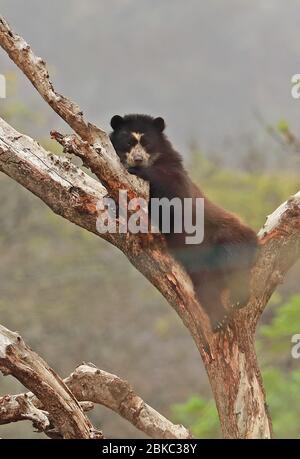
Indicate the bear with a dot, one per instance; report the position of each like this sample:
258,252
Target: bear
223,260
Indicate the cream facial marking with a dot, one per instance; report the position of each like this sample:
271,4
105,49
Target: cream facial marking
137,156
137,135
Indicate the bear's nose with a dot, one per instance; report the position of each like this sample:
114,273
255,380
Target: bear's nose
138,158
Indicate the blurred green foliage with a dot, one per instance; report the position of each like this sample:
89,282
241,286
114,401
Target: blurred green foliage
282,126
251,196
199,415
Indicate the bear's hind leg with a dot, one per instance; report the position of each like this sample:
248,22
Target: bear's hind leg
209,295
238,283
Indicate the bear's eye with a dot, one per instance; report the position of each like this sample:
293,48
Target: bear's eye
131,143
127,143
145,143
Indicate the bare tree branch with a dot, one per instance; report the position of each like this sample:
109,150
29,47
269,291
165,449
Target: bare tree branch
98,386
66,189
14,408
93,386
26,406
95,142
35,69
280,249
20,361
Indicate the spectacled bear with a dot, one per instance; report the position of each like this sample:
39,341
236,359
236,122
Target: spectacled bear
224,258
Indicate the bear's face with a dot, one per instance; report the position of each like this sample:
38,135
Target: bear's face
137,139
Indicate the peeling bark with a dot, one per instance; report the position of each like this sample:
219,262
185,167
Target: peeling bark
237,386
14,408
20,361
98,386
93,386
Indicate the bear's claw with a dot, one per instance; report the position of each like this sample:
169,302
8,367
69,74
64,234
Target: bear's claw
221,324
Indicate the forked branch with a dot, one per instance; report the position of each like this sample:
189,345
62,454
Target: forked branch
89,384
19,360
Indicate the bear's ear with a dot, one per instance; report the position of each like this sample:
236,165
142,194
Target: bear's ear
159,123
116,121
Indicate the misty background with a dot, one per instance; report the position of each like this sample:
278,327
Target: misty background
212,69
207,67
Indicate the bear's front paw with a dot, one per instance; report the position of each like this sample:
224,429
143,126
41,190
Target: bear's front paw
220,324
138,171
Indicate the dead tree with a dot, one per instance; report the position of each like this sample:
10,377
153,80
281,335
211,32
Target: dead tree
57,407
229,357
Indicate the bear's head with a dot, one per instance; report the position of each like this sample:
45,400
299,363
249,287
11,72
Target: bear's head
137,139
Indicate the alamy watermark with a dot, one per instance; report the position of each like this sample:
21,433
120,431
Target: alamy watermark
295,91
295,351
2,87
175,215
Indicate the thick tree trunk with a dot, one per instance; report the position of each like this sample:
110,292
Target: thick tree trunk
237,386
